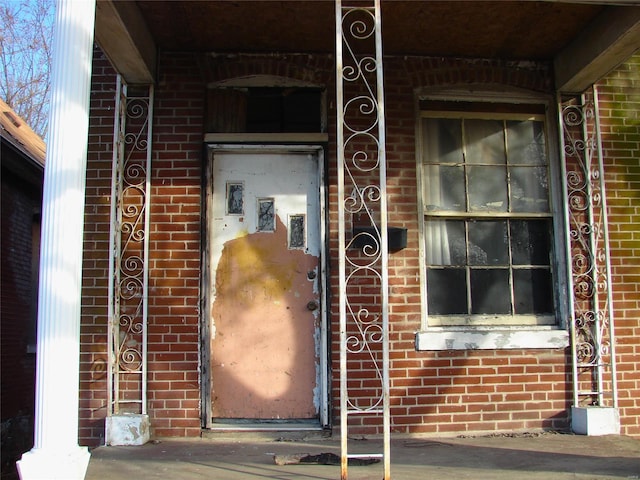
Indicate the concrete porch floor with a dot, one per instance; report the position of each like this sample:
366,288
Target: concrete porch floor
523,456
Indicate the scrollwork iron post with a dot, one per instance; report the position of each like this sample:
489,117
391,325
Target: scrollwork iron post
129,251
363,272
590,292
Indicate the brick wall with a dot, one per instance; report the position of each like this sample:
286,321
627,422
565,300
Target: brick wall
451,392
20,204
95,268
619,95
431,392
174,245
20,218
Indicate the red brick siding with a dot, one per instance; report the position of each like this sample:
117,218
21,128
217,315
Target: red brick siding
619,95
174,249
431,392
463,391
95,273
20,202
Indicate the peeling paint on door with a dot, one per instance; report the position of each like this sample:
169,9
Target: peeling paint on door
260,360
265,351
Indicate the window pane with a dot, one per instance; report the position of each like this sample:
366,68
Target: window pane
490,293
533,291
445,242
529,189
443,140
484,141
525,142
488,243
531,242
447,291
444,188
487,189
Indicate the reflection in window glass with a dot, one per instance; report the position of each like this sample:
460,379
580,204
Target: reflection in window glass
526,145
447,189
529,189
487,189
446,145
484,142
266,215
235,198
488,243
297,236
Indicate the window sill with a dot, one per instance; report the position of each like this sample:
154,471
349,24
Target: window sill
488,338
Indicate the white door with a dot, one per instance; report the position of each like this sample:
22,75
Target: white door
266,325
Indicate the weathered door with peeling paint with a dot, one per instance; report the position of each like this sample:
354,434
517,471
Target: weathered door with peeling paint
265,260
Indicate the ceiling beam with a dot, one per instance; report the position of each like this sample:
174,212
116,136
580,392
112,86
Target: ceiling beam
604,44
122,34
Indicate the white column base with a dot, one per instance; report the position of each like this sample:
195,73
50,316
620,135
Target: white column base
595,420
127,429
40,464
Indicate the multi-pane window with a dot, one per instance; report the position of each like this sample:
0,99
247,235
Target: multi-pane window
488,226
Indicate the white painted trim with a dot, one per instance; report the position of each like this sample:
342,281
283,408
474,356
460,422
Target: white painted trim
266,137
312,148
490,339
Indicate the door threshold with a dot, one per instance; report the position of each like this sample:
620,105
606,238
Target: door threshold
233,425
271,431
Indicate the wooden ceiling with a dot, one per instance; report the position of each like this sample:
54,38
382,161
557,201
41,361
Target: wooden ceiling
506,29
584,39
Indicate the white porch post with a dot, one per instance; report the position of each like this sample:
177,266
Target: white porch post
56,454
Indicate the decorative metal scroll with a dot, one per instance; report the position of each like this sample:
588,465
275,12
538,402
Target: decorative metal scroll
129,248
592,329
362,226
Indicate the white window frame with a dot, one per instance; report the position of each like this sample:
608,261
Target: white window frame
500,336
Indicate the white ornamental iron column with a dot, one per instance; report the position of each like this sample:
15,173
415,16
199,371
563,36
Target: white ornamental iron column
362,228
127,422
56,454
595,398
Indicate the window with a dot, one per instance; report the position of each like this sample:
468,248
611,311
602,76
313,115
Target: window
488,226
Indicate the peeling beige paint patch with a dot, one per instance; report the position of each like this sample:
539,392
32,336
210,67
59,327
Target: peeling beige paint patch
264,352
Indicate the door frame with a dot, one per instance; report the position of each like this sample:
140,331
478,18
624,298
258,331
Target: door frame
210,149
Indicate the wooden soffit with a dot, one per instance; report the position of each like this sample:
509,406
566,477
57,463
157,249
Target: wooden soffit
584,39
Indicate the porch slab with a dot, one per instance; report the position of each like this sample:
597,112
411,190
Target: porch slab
504,456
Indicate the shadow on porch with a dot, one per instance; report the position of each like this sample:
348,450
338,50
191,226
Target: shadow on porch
524,456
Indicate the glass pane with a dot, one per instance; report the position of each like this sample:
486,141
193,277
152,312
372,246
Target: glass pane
447,291
529,189
488,243
443,140
444,188
484,141
297,236
266,215
531,242
533,291
487,189
235,198
445,242
490,293
525,143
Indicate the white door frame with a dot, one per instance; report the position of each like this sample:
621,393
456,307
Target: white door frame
206,278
